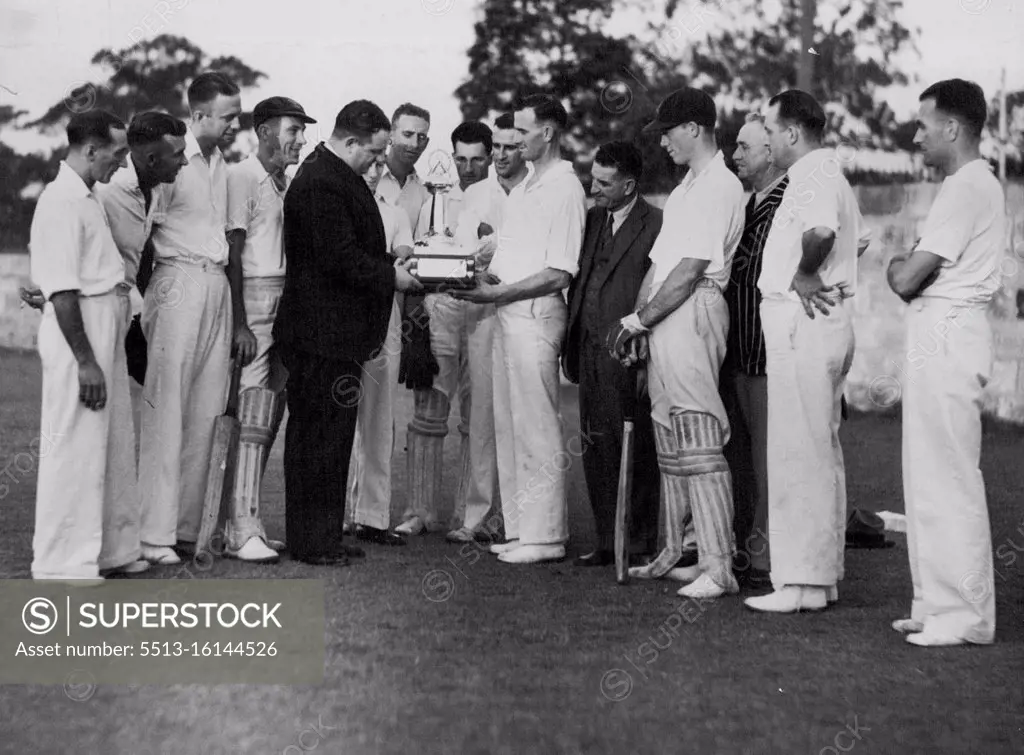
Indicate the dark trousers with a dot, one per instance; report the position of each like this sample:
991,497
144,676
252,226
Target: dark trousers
746,405
603,385
323,403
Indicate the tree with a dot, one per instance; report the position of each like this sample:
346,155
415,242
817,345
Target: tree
741,52
556,47
152,75
751,50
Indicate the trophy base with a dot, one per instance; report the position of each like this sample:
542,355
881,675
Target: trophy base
434,286
439,273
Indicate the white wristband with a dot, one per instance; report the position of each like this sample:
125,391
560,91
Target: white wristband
632,322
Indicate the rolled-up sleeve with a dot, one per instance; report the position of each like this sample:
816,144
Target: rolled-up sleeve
55,244
568,216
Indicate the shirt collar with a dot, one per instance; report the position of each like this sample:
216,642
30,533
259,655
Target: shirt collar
560,168
71,182
414,176
806,165
619,216
718,159
192,147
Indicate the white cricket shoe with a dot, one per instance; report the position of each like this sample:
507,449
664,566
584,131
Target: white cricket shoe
790,599
908,626
533,554
255,551
703,588
499,548
160,554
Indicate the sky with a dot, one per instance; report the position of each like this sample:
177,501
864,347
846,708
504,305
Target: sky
325,53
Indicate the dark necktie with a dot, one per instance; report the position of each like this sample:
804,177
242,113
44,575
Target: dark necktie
604,241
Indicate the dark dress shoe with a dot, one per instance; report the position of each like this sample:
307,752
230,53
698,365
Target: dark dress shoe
600,557
352,551
336,558
755,579
380,537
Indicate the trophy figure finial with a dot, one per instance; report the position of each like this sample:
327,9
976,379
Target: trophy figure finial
439,181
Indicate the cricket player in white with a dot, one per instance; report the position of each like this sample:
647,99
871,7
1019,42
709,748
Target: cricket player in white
684,316
809,267
256,189
460,341
87,503
947,281
400,185
187,321
536,258
369,477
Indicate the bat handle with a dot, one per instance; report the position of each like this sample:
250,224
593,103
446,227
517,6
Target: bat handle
236,380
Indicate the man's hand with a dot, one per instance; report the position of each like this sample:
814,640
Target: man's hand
621,332
92,386
243,347
403,252
637,350
404,280
815,294
32,296
485,292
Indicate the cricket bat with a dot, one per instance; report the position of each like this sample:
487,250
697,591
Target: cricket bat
624,499
223,455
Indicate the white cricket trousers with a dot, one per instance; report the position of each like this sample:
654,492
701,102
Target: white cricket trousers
187,322
369,476
807,361
949,360
532,458
87,503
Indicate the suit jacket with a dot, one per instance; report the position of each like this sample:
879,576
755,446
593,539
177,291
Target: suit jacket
340,278
618,281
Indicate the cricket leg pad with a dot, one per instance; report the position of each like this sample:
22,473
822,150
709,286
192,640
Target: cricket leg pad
425,456
258,419
700,439
674,509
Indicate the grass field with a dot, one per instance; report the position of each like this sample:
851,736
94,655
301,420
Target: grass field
435,650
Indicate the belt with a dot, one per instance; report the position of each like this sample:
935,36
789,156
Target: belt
206,265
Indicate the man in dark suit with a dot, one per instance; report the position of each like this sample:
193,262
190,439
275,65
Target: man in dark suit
620,230
333,315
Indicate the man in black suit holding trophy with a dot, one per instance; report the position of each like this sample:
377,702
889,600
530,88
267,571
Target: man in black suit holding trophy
334,313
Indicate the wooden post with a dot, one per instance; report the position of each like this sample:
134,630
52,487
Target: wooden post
805,72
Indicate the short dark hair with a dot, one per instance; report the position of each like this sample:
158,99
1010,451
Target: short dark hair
407,108
623,156
92,126
473,132
797,106
546,108
360,118
206,86
505,120
152,126
962,99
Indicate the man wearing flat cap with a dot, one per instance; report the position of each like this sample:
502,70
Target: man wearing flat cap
682,320
256,268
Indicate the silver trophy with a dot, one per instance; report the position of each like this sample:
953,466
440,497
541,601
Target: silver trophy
437,261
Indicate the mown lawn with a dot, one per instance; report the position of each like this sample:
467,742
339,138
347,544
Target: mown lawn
437,649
